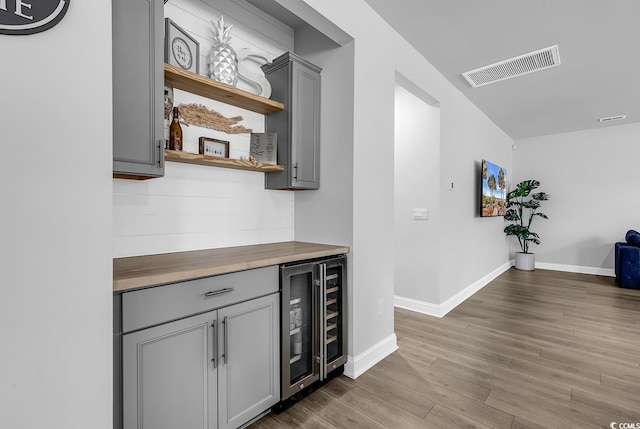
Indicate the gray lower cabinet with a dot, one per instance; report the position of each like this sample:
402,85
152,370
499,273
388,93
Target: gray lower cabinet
138,82
198,354
248,375
169,377
214,370
296,83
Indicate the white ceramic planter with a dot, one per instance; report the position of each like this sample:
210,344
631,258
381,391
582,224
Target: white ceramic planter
525,261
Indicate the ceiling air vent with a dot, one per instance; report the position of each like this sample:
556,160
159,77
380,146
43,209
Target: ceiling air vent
513,67
612,118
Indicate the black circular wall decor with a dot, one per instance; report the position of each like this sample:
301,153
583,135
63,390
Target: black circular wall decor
20,17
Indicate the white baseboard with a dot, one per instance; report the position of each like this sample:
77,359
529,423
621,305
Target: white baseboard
418,306
609,272
440,310
355,367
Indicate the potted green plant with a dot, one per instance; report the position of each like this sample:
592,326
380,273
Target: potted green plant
522,208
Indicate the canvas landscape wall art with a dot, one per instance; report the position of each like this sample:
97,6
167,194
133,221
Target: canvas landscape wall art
494,193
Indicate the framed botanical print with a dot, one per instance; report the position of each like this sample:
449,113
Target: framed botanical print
214,147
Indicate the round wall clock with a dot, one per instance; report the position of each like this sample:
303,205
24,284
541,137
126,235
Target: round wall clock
181,53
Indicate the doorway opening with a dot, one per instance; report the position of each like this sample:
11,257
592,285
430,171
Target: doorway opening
416,196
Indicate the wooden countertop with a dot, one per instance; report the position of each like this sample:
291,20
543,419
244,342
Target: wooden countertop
141,271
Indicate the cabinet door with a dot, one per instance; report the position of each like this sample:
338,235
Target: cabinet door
296,83
169,377
299,353
138,81
305,127
248,374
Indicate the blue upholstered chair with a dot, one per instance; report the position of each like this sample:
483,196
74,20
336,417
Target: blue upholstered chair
627,260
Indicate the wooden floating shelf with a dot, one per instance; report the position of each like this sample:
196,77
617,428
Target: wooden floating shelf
238,164
201,85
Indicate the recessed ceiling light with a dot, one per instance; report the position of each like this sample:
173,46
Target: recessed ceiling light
612,118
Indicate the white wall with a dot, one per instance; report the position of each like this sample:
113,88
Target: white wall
469,241
592,177
429,253
467,136
198,207
55,224
326,215
417,185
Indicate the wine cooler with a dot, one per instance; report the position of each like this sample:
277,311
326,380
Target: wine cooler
314,323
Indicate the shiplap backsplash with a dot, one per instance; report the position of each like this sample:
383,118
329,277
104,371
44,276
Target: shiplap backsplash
197,207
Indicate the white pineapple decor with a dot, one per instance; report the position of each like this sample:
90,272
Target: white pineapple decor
223,62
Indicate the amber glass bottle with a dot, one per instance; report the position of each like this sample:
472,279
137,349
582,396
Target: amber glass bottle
175,132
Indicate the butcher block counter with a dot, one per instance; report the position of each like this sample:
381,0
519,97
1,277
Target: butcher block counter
149,270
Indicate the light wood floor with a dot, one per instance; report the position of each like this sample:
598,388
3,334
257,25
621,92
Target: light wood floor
540,349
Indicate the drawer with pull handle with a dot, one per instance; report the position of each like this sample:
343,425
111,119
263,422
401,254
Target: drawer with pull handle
148,307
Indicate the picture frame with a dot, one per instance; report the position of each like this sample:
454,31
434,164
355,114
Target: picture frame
180,49
213,147
263,147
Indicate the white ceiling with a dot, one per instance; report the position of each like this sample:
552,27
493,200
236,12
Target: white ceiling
599,43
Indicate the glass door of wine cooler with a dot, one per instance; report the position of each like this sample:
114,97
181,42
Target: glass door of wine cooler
333,326
300,367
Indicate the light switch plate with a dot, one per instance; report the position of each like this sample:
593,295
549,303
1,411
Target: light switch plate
421,214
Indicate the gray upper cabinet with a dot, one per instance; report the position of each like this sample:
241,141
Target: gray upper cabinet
138,81
296,83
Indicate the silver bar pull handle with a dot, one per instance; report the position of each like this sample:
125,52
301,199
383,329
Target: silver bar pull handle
226,337
214,326
295,172
218,292
323,321
161,153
